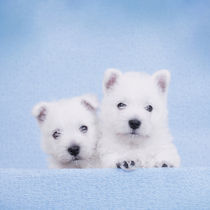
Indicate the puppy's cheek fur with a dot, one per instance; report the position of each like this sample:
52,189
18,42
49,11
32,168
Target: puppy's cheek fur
146,128
63,157
47,146
88,150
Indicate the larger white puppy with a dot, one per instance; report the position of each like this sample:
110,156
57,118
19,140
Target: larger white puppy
134,121
69,131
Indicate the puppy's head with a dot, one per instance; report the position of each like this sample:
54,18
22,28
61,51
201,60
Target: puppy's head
68,128
134,103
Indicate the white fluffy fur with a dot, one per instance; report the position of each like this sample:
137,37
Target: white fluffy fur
152,145
68,115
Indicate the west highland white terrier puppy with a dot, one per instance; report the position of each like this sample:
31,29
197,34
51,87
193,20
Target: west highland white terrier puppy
69,133
133,121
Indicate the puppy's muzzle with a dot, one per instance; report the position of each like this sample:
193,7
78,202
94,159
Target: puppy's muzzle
74,150
134,124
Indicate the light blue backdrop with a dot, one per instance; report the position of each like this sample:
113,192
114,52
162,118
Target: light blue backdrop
55,49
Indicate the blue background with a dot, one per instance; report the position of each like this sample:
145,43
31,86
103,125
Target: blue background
55,49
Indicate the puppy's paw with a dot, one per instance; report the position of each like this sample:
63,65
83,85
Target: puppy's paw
165,160
126,165
163,164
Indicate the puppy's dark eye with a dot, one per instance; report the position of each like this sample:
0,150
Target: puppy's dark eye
83,129
56,134
149,108
121,106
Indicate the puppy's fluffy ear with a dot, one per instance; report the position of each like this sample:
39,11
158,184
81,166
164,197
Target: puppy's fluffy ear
162,79
40,111
110,79
90,102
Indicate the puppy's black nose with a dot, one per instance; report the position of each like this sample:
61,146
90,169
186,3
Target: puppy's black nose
134,123
74,150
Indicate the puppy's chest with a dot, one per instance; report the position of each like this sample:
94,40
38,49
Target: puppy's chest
142,148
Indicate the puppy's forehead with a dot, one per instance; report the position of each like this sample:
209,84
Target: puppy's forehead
70,111
135,84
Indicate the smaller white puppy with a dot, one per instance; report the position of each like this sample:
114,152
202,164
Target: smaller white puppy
134,122
68,129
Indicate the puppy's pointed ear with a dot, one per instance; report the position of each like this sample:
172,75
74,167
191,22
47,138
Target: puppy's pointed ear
110,79
90,102
40,111
162,80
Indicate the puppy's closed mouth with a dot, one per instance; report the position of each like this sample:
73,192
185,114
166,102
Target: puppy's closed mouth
133,134
76,158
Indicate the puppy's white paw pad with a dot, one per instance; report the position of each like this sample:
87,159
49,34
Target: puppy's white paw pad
126,165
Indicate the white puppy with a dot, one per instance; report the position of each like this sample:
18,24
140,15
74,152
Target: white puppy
133,121
68,129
